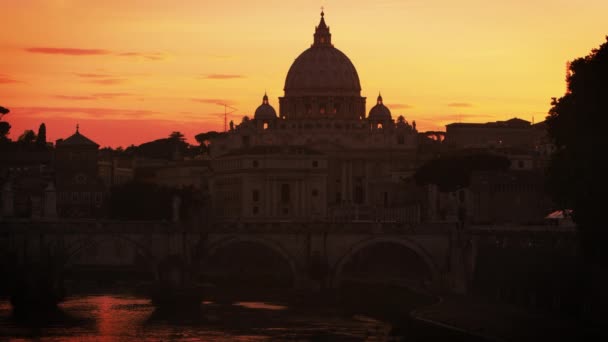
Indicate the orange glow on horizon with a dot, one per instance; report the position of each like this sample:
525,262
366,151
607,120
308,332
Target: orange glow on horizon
133,71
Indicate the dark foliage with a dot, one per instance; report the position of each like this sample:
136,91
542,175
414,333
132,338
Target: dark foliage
577,173
454,172
4,111
41,138
205,138
27,137
167,148
5,128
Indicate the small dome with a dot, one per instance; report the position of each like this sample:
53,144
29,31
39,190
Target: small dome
265,111
380,112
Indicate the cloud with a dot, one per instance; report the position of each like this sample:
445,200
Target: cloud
460,105
108,81
449,118
87,75
111,95
222,76
153,56
6,79
67,51
220,102
90,112
96,96
399,106
74,97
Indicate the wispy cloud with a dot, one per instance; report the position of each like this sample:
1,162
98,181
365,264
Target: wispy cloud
456,117
215,101
111,95
153,56
399,106
460,105
6,79
91,112
222,76
88,75
67,51
74,97
108,81
95,96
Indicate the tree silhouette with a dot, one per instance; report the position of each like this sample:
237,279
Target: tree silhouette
177,136
27,137
41,138
5,127
577,172
3,111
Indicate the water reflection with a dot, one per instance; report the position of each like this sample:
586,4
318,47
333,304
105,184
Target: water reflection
260,305
125,318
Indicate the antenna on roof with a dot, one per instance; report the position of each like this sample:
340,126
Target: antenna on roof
226,114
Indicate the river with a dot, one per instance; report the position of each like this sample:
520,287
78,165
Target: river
123,317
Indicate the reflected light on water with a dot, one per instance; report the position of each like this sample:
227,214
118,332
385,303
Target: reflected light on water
260,306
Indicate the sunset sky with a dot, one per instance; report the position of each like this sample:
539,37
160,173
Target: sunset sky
129,71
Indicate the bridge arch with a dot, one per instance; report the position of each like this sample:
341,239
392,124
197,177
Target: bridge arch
417,249
276,248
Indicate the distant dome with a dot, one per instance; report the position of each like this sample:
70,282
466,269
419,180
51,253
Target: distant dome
380,112
265,111
322,69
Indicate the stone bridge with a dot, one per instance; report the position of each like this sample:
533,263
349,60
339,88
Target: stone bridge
429,257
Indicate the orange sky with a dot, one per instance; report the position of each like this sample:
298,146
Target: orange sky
130,71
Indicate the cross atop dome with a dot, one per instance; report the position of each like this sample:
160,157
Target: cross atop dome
322,35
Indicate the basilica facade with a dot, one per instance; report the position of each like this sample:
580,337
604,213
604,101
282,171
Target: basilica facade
322,156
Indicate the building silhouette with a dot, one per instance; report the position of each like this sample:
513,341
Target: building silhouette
323,156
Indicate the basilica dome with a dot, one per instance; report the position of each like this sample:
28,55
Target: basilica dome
380,112
322,69
265,111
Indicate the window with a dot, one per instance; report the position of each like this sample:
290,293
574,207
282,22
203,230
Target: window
401,140
98,197
74,196
386,199
285,211
285,193
338,197
245,140
315,163
255,210
315,192
255,163
265,125
379,125
520,164
255,195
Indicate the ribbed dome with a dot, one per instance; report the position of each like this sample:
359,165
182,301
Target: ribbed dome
265,111
380,112
322,69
